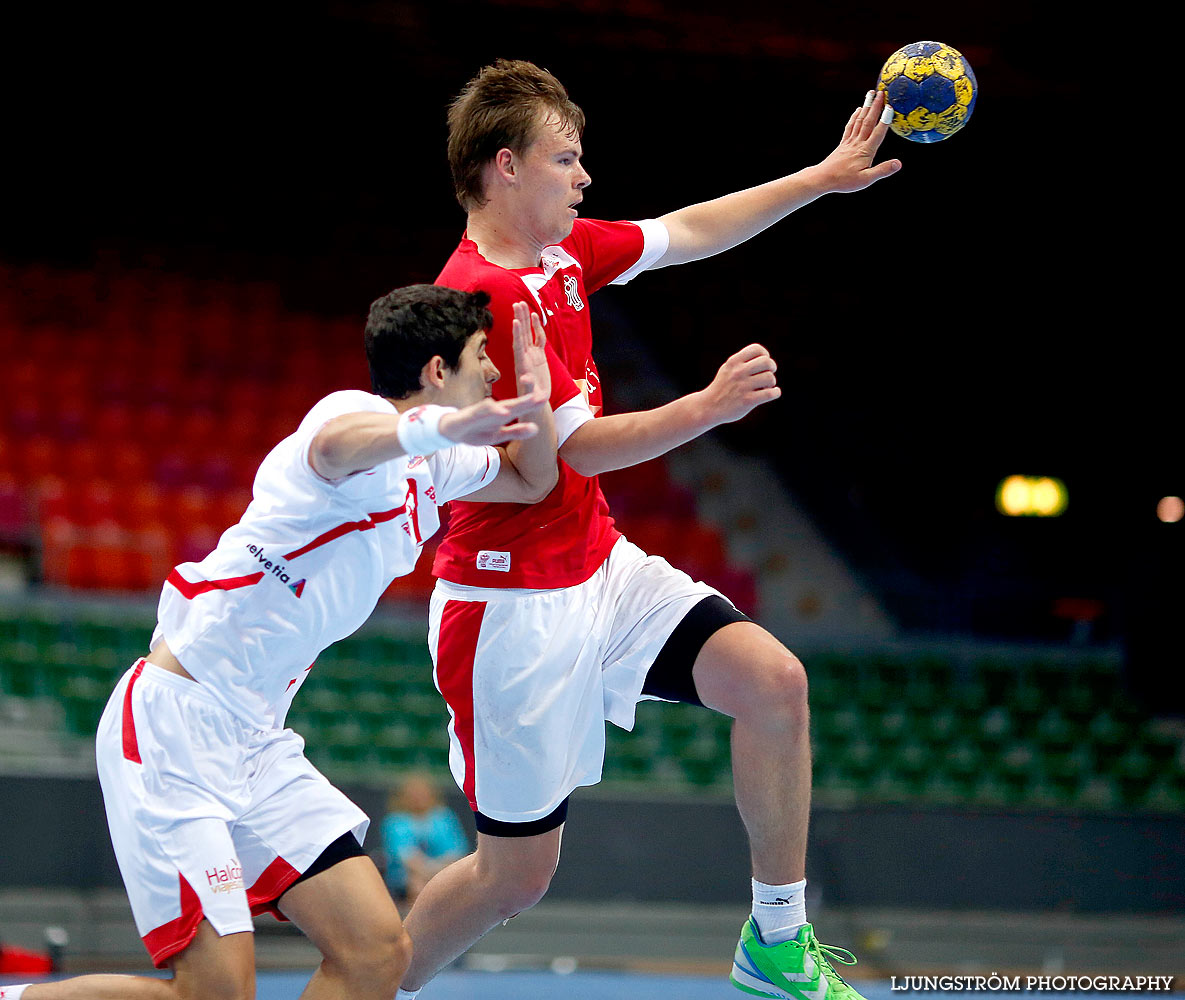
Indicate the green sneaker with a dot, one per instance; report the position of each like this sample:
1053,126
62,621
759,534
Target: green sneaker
795,970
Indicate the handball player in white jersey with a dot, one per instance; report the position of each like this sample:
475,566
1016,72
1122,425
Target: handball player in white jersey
214,811
545,621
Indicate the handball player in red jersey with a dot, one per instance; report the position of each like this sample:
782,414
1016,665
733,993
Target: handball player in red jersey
545,621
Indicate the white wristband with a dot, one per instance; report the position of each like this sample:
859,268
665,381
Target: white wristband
419,429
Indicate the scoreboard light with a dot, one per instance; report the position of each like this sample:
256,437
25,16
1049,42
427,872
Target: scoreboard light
1031,496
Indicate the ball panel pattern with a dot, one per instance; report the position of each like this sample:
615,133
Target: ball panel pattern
931,89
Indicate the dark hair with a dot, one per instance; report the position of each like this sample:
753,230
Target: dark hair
499,109
408,327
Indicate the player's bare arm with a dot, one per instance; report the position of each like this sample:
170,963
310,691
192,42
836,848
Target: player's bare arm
745,381
529,470
356,442
710,227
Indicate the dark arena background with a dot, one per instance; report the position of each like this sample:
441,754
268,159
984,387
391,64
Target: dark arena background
200,203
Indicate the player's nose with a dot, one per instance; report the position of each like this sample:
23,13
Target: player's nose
584,180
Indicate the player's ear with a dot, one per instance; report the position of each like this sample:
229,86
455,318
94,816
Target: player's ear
432,374
504,162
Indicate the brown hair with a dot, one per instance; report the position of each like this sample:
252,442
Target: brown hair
498,109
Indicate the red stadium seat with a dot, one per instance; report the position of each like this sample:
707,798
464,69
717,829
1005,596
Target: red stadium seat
15,519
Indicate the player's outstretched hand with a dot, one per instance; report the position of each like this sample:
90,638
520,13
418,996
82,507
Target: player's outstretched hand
744,382
850,167
530,352
490,421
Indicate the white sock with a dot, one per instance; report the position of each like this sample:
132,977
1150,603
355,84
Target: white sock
407,994
779,910
13,992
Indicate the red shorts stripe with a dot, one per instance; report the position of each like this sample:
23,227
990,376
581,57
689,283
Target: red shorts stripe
191,590
460,625
269,887
177,935
131,745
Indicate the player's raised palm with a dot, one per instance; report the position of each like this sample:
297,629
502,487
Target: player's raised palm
491,421
530,353
744,382
849,167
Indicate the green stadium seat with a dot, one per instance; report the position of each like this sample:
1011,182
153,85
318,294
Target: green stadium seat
825,693
915,761
1165,795
922,695
859,760
889,786
1099,792
942,789
1109,732
990,790
1027,701
964,762
995,726
874,694
84,699
892,726
1056,732
21,672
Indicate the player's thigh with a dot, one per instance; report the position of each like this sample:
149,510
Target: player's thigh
347,912
215,965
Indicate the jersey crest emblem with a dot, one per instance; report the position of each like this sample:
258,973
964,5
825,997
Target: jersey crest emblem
573,292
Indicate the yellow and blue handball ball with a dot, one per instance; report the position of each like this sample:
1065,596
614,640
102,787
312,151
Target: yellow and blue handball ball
931,90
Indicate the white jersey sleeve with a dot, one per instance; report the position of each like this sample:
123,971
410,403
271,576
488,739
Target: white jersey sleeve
656,238
463,469
336,404
568,417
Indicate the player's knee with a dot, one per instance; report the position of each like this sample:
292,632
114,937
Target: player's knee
522,890
387,951
394,956
780,692
379,955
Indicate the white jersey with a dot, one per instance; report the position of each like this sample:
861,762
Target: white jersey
307,563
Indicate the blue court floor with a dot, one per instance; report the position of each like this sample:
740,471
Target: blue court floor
456,985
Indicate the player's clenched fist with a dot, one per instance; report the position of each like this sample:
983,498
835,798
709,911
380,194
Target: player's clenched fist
744,381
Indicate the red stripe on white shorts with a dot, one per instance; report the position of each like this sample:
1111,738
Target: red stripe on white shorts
460,625
177,935
131,745
269,887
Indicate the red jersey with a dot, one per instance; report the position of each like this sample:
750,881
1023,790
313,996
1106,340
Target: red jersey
562,540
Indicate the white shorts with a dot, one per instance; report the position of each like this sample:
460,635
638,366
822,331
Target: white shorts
210,818
531,676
